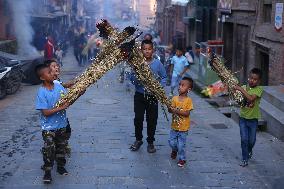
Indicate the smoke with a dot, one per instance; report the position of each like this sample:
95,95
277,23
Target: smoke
108,9
117,12
23,30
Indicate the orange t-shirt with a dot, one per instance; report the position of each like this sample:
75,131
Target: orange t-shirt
181,123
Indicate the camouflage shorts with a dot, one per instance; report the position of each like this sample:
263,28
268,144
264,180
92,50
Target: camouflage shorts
54,148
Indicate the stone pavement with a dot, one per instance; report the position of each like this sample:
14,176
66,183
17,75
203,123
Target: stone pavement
102,131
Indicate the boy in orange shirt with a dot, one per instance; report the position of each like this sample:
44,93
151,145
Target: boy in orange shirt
181,107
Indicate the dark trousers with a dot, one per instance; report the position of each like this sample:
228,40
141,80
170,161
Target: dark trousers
68,130
54,148
149,104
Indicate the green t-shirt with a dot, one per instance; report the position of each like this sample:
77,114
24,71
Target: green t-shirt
253,112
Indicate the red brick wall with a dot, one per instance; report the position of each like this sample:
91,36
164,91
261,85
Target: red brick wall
4,20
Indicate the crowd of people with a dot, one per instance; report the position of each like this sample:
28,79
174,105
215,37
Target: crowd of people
54,44
56,129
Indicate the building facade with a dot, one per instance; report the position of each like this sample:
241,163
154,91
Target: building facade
245,27
169,23
251,39
6,27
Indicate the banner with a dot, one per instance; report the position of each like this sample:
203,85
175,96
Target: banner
180,2
278,16
225,6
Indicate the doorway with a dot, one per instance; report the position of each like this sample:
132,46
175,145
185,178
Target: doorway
228,44
263,59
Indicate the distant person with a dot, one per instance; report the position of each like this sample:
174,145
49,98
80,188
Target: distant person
250,114
82,44
49,48
53,122
181,108
179,66
146,102
59,55
157,40
148,37
189,55
76,44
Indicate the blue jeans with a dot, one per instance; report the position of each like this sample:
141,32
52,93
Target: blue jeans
177,142
248,135
175,82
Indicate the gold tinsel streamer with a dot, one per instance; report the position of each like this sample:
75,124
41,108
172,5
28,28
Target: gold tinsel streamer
92,75
227,78
109,56
146,77
143,71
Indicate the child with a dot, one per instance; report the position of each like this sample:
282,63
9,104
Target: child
55,70
179,66
144,101
59,55
189,55
250,114
181,107
53,122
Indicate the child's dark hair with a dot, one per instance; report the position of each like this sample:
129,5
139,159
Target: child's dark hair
48,62
39,68
256,71
189,48
190,80
149,35
179,48
147,42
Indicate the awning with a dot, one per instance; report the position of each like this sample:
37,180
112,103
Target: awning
180,2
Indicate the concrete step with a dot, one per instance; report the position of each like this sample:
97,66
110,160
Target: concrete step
274,118
275,96
235,115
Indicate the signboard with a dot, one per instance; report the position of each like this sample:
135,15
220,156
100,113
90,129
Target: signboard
180,2
225,6
278,16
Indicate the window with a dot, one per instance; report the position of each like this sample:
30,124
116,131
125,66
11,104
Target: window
267,9
5,8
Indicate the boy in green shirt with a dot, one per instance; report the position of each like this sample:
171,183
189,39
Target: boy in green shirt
250,114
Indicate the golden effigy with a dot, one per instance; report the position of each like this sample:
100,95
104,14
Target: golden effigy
116,48
227,78
146,77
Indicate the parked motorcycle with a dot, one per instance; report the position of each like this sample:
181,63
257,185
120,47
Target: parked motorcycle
11,77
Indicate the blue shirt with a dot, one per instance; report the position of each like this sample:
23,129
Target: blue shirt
46,99
179,64
158,71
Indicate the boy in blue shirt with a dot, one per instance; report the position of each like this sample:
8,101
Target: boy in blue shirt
179,66
146,102
55,70
53,122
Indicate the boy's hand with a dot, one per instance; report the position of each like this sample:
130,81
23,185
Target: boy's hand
172,110
64,106
237,87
